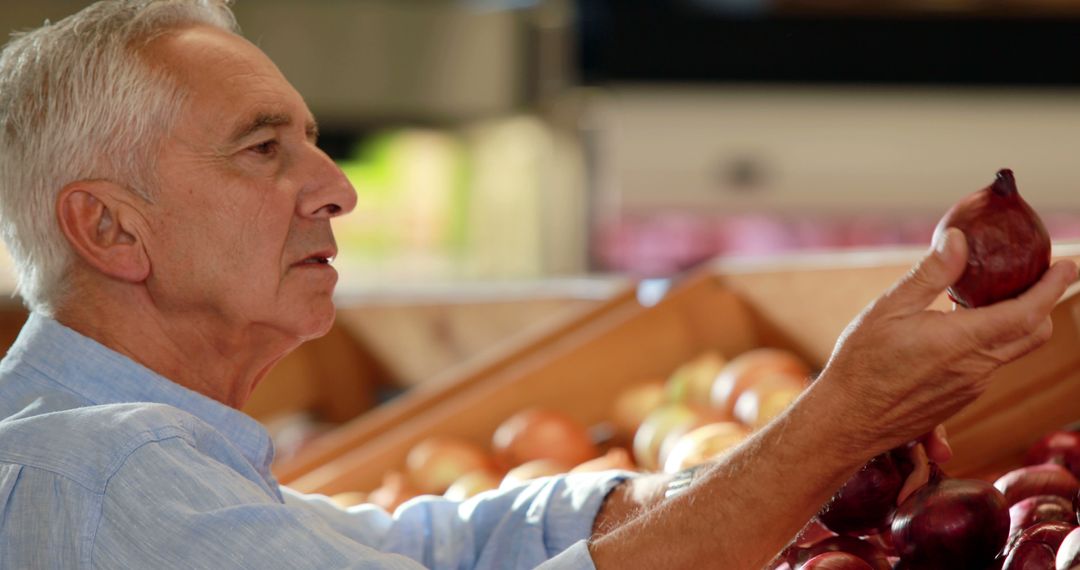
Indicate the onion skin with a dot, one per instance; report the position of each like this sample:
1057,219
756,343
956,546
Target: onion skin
542,434
1068,554
867,552
394,491
767,398
436,462
1045,479
810,534
534,469
866,500
349,499
950,524
634,404
1048,533
652,432
692,382
703,444
615,458
1008,245
1060,447
836,561
747,369
471,484
1039,509
1030,556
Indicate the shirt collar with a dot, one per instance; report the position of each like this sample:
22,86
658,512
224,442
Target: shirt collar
104,376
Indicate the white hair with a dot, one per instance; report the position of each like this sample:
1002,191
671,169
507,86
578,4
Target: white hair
78,102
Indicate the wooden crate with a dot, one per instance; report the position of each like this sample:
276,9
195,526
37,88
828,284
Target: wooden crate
800,303
418,400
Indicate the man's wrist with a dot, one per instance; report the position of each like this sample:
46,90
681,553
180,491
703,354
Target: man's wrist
681,481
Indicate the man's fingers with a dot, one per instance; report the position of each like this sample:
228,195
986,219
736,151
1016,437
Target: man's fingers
940,268
937,445
1019,318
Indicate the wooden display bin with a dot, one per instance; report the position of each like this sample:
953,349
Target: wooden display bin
801,303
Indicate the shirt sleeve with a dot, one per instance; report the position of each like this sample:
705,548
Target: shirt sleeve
170,506
521,527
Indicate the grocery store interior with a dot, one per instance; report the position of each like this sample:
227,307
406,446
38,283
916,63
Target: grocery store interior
547,187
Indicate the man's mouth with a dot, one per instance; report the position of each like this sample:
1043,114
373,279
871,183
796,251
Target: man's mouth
320,257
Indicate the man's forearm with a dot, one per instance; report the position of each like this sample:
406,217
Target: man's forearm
738,513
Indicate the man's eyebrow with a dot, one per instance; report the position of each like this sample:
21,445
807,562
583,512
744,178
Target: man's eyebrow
260,121
272,120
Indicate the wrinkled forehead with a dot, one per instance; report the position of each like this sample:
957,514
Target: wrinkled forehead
227,82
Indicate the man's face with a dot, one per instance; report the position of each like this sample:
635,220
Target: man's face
240,229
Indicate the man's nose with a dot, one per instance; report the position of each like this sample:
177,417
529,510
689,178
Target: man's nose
327,193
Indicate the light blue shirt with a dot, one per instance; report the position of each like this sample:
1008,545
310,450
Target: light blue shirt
105,464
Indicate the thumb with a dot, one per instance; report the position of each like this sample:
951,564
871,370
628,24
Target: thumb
939,268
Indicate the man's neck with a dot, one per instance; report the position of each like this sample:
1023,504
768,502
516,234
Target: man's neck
220,362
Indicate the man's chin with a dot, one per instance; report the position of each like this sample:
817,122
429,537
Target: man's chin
317,323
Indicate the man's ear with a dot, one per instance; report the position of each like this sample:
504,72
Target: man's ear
99,222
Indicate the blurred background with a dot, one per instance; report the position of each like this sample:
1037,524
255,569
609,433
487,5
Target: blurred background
526,139
543,153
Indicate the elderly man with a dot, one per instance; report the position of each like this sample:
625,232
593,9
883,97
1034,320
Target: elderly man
169,214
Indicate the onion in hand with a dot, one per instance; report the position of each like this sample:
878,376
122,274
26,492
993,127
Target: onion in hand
1009,248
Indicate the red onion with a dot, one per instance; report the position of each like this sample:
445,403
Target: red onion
951,523
836,561
810,534
1030,556
1060,447
1048,533
1039,509
1009,248
869,553
866,500
1045,479
883,540
1068,554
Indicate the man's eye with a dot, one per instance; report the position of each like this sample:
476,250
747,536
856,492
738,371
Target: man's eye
267,148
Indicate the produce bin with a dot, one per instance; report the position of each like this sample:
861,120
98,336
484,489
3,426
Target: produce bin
800,303
423,396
